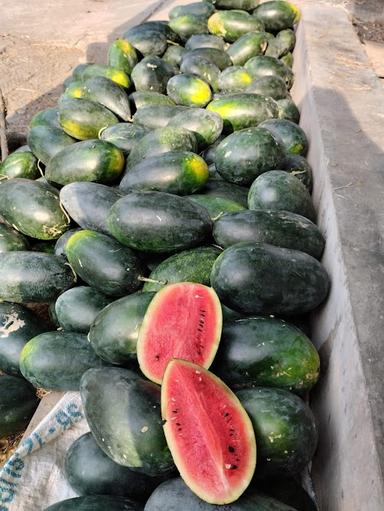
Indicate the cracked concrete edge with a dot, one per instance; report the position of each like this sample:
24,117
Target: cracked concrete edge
342,108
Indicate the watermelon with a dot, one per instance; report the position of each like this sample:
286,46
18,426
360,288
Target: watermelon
247,153
10,239
122,55
206,126
91,160
211,438
234,78
142,98
57,360
189,24
272,86
103,263
173,55
124,135
247,46
202,67
233,24
46,141
288,110
225,190
299,167
123,413
158,222
77,308
17,326
264,65
88,204
164,336
245,5
204,41
96,503
83,119
91,70
18,403
269,280
174,495
19,164
242,110
192,265
218,57
177,172
47,117
285,429
59,249
115,330
289,134
103,91
151,74
267,351
196,8
32,209
279,228
189,90
277,15
156,116
216,206
32,277
162,140
91,472
280,190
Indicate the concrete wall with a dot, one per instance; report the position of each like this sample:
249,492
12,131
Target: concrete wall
342,111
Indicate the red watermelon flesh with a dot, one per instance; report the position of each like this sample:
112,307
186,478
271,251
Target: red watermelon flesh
183,320
208,432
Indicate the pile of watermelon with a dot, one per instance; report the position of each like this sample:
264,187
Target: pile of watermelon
163,210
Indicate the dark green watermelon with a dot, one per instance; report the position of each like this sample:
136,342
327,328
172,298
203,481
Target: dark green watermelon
85,71
299,167
195,8
247,153
285,429
192,265
91,472
173,55
202,67
122,55
189,90
279,228
264,65
158,222
174,495
114,332
268,352
46,141
205,41
18,403
77,308
124,135
272,86
216,206
123,412
88,204
96,503
234,79
17,326
269,280
47,117
57,360
277,15
142,98
289,134
247,46
32,277
232,24
187,25
156,116
32,209
218,57
280,190
152,74
176,172
162,140
91,160
288,110
206,126
19,164
243,110
103,263
10,239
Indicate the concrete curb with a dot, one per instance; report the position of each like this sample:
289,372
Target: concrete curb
342,112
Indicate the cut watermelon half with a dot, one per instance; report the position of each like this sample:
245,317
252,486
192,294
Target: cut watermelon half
208,432
183,320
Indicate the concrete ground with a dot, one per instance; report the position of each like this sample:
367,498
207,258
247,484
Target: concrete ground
42,40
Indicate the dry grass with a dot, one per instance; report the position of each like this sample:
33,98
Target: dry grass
8,446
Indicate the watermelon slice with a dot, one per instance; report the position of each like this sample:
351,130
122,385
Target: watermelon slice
183,320
208,432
